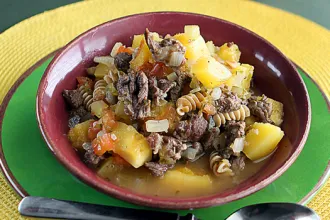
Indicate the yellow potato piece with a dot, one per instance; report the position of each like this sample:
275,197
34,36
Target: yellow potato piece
277,112
98,107
231,54
79,134
192,31
131,145
261,140
185,180
242,76
210,72
195,48
101,70
143,55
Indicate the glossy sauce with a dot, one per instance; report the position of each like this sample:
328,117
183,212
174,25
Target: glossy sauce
141,181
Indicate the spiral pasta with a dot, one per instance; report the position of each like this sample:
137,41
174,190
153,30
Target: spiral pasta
87,96
189,102
238,115
99,90
219,165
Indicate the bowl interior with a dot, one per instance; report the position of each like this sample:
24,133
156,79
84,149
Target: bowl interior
274,75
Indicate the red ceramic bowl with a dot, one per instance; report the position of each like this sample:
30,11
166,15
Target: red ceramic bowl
274,75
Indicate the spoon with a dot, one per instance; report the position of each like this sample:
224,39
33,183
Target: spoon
53,208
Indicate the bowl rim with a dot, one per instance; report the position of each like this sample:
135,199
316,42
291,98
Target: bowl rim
164,202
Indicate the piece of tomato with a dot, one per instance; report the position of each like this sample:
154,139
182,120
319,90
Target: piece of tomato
85,81
93,129
103,144
109,120
124,49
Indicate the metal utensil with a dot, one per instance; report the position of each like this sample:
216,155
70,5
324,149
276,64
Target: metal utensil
274,211
53,208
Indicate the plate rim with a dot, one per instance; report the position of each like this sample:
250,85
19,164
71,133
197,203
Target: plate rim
19,189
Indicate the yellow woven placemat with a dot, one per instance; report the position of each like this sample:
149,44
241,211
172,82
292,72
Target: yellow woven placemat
21,46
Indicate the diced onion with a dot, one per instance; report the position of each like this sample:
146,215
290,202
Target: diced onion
238,145
190,153
115,49
195,90
100,133
176,59
157,125
216,93
172,76
107,60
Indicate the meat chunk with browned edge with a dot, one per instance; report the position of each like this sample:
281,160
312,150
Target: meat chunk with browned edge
228,101
122,61
159,89
90,157
169,51
158,169
260,108
238,164
192,129
133,91
210,137
181,81
73,98
233,130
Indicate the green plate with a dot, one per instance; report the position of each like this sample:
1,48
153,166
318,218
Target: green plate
32,170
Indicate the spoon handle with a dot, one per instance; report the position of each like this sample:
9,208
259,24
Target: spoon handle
53,208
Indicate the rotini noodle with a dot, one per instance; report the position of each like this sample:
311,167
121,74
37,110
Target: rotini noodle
219,165
189,102
87,96
238,115
99,90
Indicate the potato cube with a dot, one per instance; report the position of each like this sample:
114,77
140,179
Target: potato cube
277,112
143,55
261,140
211,47
131,145
242,76
210,72
229,52
79,134
192,31
98,107
184,180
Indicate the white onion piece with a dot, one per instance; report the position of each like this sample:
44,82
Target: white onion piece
176,59
157,125
190,153
238,145
265,157
216,93
100,133
115,48
107,60
195,90
172,76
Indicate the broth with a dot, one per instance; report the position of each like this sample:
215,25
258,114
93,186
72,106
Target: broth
143,182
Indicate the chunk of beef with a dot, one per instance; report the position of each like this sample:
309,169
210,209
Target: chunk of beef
233,130
260,108
169,149
225,153
191,130
133,91
228,102
73,98
169,51
78,115
90,157
210,138
159,89
176,91
73,121
158,169
122,61
155,141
